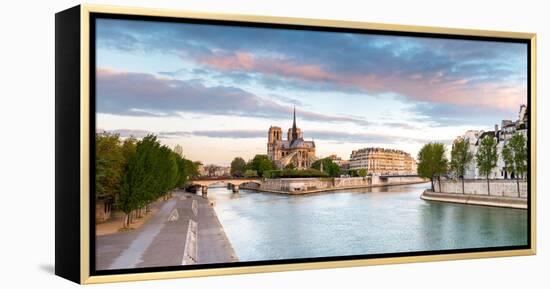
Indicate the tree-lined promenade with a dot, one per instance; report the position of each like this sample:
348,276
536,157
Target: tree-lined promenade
433,163
135,173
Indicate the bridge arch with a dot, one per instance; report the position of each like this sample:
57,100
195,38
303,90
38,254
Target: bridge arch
233,183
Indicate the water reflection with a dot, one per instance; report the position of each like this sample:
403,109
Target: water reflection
264,226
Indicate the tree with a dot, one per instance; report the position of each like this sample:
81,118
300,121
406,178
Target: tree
186,170
211,169
514,154
460,158
178,150
328,166
362,172
140,183
432,162
109,165
251,174
167,171
128,149
238,167
352,173
260,163
486,158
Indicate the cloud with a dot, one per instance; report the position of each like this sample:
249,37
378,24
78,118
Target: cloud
326,135
141,94
437,114
469,73
439,86
137,133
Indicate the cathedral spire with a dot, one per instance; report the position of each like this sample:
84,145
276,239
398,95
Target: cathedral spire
294,129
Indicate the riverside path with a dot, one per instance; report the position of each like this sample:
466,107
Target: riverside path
185,230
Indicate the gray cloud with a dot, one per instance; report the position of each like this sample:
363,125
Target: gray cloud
326,135
137,133
141,94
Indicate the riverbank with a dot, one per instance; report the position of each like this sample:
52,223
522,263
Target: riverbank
184,230
482,200
300,186
330,189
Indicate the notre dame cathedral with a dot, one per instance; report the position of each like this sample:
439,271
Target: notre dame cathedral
294,151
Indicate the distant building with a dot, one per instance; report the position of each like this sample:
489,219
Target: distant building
222,172
215,171
200,170
343,164
381,161
293,151
502,135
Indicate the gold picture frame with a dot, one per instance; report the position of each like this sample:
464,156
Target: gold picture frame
66,240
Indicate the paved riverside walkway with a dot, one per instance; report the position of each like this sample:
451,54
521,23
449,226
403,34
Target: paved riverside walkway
185,230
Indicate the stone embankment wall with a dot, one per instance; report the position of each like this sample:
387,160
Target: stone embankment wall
502,188
307,185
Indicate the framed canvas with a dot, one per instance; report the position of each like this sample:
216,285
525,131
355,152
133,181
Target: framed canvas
193,144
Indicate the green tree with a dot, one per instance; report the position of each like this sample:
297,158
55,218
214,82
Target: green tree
261,163
128,149
251,174
353,173
362,172
186,170
192,168
460,158
432,162
305,173
328,166
514,154
109,165
167,171
486,158
140,182
238,167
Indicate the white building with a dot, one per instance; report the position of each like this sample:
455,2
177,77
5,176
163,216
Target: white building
507,129
471,136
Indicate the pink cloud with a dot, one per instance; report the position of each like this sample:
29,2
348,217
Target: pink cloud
275,66
419,87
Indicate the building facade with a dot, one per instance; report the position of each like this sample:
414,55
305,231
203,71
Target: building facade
294,151
381,161
471,136
343,164
502,135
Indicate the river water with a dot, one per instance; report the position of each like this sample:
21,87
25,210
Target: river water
265,226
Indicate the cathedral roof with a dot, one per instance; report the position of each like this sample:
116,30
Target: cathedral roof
298,143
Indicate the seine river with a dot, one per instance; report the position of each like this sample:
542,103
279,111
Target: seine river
264,226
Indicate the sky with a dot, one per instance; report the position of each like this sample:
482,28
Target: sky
216,90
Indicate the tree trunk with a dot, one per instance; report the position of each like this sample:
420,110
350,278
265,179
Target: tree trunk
439,182
126,224
129,218
517,182
488,188
432,181
463,192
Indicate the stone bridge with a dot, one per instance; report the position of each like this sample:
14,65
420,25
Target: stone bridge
233,183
